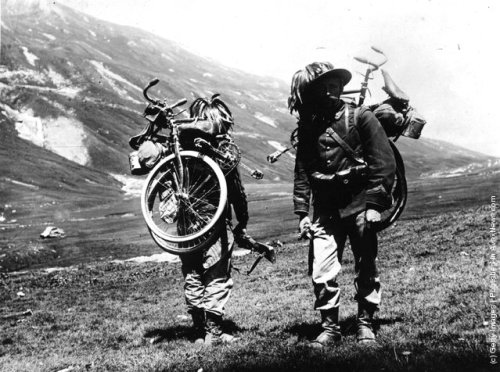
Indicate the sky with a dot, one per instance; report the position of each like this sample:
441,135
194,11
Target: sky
443,54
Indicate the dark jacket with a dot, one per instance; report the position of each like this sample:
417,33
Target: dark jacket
237,197
317,151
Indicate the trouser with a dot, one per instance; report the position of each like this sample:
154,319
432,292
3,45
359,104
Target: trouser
207,276
330,234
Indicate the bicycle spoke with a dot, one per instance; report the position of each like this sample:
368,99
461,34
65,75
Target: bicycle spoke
198,218
201,201
210,191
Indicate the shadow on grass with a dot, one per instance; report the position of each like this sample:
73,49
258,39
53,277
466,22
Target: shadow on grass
308,331
182,332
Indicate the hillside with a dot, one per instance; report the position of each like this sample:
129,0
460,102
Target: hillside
104,316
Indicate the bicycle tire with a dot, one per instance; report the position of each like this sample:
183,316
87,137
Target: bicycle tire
399,193
196,245
185,217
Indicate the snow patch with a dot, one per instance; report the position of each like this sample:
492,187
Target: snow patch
273,84
280,147
159,257
171,70
70,92
49,36
92,33
193,80
62,135
254,97
265,119
132,43
57,78
132,186
22,76
25,79
111,78
19,183
148,42
4,26
282,110
163,55
208,74
30,57
248,134
472,168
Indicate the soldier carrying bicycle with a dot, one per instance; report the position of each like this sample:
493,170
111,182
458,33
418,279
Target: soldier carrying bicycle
207,273
183,197
345,161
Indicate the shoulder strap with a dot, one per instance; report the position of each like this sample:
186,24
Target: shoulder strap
347,149
356,116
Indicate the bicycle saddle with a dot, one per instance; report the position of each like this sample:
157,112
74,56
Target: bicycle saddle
392,89
148,133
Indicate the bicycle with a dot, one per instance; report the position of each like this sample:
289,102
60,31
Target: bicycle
408,128
185,194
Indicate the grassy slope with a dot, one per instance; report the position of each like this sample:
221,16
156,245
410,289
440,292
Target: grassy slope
434,271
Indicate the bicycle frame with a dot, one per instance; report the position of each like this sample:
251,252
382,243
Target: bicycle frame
167,112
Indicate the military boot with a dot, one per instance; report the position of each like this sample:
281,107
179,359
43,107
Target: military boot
331,329
198,316
364,323
213,330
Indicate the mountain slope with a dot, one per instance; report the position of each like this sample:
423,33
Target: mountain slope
72,84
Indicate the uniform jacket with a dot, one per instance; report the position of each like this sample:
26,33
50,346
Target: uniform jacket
317,151
237,199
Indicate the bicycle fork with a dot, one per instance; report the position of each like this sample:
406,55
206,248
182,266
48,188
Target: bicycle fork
178,173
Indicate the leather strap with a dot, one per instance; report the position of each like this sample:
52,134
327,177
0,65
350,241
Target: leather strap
347,149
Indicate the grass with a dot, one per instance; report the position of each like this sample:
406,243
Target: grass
95,317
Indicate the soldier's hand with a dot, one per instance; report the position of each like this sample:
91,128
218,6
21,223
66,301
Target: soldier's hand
372,216
240,232
304,226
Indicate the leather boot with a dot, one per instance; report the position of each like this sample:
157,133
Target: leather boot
198,316
213,330
331,329
364,333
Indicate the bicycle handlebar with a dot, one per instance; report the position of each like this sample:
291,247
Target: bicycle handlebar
375,66
152,83
145,90
367,61
178,103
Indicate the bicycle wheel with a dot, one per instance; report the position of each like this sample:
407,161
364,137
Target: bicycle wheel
184,216
183,248
399,193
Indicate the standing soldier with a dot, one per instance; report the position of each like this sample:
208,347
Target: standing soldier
349,149
207,273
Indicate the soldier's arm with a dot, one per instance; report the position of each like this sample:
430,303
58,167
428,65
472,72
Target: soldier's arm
237,198
204,126
301,184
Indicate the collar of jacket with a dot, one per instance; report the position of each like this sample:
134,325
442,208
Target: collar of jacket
327,116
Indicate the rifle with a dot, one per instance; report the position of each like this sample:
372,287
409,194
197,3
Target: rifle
263,250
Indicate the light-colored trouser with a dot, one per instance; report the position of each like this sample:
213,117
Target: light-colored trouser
330,234
207,276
